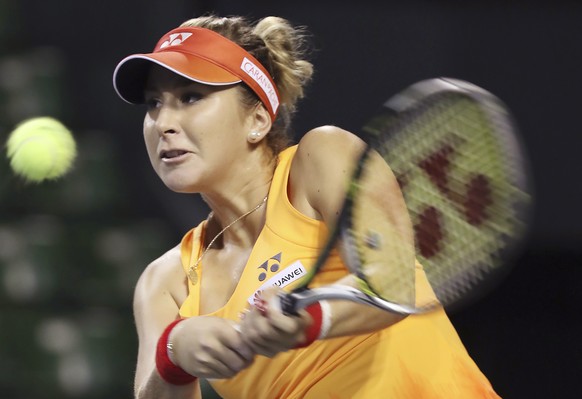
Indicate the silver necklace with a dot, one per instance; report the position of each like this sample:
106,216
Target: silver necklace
193,269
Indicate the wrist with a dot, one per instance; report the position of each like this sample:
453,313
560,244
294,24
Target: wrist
165,362
325,319
320,313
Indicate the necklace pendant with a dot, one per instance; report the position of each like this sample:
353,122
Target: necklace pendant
193,270
193,276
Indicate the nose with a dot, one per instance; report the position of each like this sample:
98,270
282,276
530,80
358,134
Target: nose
166,121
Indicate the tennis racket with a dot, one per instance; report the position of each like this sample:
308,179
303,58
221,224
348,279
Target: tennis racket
455,152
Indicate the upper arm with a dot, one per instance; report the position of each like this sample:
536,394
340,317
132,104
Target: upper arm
322,169
156,304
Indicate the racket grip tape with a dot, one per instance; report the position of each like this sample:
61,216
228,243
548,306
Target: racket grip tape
288,304
167,369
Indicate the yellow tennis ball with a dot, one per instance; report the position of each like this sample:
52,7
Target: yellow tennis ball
41,148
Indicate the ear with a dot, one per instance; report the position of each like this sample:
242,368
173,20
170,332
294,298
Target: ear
260,124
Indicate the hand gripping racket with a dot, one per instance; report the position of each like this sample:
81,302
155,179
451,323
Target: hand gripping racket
454,150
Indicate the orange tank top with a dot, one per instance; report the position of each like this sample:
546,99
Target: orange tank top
419,357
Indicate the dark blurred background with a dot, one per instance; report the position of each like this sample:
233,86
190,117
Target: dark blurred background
72,250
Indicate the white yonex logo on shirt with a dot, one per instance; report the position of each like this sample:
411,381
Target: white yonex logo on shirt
175,39
288,275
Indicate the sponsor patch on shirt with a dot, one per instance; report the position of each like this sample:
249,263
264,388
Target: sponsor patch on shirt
288,275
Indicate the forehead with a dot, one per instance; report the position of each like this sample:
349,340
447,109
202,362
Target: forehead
160,77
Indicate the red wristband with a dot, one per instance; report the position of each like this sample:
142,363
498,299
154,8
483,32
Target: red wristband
166,368
314,329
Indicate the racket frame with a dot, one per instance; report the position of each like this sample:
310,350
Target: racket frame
303,296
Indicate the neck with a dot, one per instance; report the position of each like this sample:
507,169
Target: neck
241,192
238,223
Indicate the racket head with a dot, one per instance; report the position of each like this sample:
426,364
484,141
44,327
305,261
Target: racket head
457,156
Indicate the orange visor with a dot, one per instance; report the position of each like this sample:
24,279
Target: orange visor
201,55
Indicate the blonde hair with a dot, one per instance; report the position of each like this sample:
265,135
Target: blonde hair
282,49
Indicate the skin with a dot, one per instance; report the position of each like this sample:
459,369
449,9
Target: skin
197,140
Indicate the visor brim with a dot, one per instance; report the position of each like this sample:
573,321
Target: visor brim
131,74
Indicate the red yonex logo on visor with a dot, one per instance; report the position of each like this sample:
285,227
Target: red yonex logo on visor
176,39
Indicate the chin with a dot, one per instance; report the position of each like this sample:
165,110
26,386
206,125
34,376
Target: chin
179,181
181,189
179,185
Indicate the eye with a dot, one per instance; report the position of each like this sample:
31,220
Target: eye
152,102
191,98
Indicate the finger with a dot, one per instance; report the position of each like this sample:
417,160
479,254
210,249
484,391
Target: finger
223,354
239,345
289,324
268,349
267,310
274,330
267,300
221,364
255,327
271,343
269,305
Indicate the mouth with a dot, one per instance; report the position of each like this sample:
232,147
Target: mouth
172,155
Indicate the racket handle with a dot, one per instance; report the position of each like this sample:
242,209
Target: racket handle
291,302
288,304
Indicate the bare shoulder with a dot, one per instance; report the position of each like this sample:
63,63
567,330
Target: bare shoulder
163,276
328,143
321,168
325,151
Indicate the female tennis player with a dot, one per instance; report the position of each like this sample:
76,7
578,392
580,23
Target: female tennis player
220,95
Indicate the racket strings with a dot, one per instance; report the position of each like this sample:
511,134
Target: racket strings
460,184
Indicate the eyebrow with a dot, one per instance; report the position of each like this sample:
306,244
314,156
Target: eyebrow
183,84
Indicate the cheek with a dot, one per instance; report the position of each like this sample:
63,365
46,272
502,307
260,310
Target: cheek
150,138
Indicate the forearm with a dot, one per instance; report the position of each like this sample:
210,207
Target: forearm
154,387
351,318
268,331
